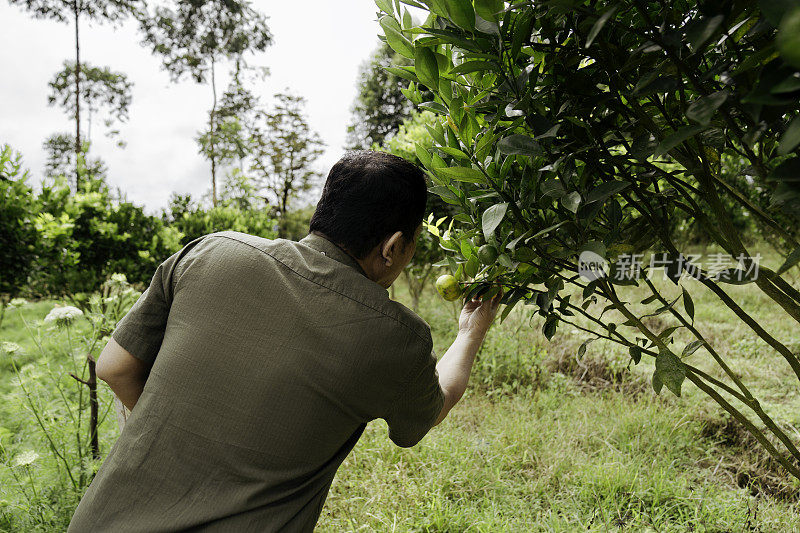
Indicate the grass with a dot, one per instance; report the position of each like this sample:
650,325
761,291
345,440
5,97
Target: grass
544,442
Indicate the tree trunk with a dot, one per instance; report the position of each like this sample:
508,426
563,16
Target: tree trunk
76,12
212,131
93,409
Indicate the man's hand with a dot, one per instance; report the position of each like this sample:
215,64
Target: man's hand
455,366
477,315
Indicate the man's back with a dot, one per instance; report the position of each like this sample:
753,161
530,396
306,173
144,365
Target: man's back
275,354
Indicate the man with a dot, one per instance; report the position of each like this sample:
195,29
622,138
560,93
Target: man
252,366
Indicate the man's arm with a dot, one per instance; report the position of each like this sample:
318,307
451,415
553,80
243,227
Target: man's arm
456,364
124,373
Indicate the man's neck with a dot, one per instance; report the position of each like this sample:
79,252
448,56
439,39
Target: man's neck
361,262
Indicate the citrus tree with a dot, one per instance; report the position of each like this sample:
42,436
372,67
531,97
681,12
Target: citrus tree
571,133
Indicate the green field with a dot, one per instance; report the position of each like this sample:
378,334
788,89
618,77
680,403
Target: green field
541,442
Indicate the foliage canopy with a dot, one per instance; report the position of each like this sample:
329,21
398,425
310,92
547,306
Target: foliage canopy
569,127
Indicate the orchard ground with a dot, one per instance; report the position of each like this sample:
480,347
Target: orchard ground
546,442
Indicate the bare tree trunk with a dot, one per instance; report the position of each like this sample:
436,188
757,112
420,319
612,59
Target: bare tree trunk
212,128
93,409
76,12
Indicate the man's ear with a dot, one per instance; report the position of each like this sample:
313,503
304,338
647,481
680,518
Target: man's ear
391,247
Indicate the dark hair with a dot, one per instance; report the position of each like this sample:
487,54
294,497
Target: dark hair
367,197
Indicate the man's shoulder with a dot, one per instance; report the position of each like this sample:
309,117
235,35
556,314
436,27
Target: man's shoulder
412,320
307,263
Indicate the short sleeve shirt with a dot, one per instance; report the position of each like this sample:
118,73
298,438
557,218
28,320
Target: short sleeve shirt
267,359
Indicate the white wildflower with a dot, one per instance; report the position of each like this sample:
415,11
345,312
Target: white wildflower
10,347
17,302
26,458
63,316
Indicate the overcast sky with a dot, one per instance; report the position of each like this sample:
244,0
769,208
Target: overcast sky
317,49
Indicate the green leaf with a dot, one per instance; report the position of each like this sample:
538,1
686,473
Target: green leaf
436,107
602,192
492,218
550,325
636,354
426,67
790,138
599,25
472,266
473,66
408,22
413,3
507,310
704,30
702,110
462,13
489,9
669,371
671,141
394,36
523,26
692,347
688,303
385,6
407,73
582,347
423,155
437,133
483,145
571,201
547,230
791,261
657,383
519,144
455,152
553,188
465,174
595,247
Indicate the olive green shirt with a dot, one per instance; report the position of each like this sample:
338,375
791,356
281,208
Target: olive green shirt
268,359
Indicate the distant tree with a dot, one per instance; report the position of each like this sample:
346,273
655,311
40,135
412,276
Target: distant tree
380,106
283,149
296,222
100,88
193,37
17,211
235,117
239,190
194,220
93,10
61,159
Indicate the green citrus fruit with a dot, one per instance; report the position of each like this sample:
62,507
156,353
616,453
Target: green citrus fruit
487,254
788,40
448,287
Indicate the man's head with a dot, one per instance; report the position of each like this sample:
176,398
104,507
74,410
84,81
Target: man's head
372,205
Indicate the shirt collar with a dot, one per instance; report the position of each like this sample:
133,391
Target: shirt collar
328,248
